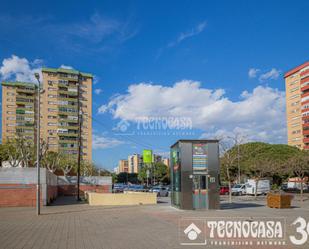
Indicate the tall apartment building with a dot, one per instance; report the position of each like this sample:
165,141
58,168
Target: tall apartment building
123,166
59,111
18,110
297,106
135,163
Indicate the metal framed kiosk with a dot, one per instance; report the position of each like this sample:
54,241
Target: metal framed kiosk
195,174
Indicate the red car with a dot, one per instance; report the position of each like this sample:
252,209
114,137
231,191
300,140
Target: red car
224,190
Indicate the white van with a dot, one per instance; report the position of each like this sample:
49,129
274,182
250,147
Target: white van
262,188
239,189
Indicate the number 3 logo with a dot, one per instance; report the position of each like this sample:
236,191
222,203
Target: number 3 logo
301,229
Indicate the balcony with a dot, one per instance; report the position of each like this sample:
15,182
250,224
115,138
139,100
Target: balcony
24,102
68,134
68,141
305,110
67,99
305,132
305,88
25,96
67,120
306,140
63,77
304,73
25,90
306,147
69,127
68,148
20,111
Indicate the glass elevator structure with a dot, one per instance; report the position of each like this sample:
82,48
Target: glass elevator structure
195,174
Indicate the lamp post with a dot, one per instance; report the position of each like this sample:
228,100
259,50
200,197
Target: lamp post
79,119
38,192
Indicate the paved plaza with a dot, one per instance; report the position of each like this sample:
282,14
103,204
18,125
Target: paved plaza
69,225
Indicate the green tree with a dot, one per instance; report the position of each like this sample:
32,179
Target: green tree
13,155
160,172
298,166
87,168
51,161
67,164
3,154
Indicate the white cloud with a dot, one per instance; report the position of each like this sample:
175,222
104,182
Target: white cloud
98,91
260,113
252,73
273,74
96,79
66,67
20,69
102,142
193,32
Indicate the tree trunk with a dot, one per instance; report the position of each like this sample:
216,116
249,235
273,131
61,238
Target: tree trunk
230,192
301,189
256,187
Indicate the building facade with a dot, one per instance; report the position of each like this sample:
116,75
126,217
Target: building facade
135,163
297,106
123,166
18,110
64,93
59,111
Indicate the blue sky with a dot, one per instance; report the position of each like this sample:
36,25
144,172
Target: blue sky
219,64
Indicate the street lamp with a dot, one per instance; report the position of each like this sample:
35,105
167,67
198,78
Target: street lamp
38,192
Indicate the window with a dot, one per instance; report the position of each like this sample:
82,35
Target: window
52,96
52,89
296,132
305,99
52,117
10,106
295,103
50,82
51,124
52,103
10,112
10,118
10,94
295,110
65,82
295,117
296,139
294,96
52,109
52,145
293,82
294,89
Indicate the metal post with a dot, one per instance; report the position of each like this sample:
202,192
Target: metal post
79,135
238,163
38,156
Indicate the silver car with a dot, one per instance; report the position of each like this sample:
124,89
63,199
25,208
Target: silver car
160,190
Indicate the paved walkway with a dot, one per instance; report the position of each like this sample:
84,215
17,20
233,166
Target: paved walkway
75,226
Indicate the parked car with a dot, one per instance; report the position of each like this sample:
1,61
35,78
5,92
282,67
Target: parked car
160,190
224,190
118,188
284,186
263,187
239,189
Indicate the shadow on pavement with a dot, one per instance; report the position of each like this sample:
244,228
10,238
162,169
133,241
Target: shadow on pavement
66,200
239,205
